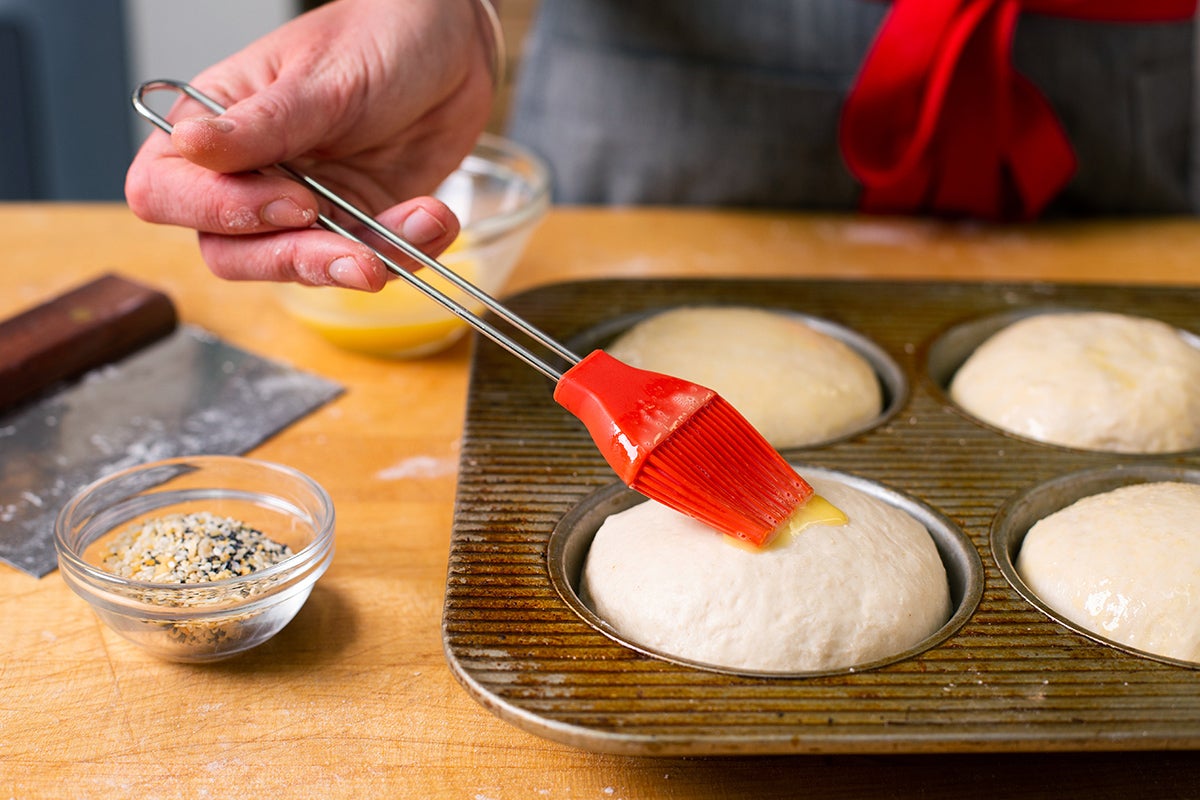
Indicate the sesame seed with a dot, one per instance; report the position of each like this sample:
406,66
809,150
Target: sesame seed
191,548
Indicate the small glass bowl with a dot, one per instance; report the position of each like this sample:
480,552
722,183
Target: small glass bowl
195,622
499,193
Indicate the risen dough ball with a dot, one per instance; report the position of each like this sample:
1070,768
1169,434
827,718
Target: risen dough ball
827,597
795,384
1092,380
1125,565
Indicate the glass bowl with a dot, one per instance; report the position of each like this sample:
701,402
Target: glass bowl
499,192
208,620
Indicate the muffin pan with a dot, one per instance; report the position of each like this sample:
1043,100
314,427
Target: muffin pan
1003,675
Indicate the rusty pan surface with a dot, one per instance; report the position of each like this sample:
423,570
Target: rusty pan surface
1005,676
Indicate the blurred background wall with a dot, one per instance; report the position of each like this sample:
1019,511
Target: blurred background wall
67,67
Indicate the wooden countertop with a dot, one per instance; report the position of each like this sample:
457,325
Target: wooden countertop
354,698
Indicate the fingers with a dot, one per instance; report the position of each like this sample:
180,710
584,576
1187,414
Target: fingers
268,126
167,189
204,175
317,257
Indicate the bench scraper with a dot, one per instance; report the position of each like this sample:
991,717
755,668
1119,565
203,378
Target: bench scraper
104,377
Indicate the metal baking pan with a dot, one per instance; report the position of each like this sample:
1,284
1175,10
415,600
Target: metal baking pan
1004,676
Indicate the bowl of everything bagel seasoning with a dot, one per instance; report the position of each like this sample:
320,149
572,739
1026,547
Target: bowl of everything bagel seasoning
197,558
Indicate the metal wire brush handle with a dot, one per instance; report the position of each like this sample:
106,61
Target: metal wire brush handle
413,279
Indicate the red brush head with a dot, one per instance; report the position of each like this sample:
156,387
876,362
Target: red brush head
684,446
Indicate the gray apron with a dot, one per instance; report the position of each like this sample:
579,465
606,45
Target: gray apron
736,102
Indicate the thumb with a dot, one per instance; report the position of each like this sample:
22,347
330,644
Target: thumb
253,133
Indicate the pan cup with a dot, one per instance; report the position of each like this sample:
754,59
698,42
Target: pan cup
949,349
892,380
1022,511
572,537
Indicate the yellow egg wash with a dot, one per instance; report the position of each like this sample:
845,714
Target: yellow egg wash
369,322
1104,360
817,511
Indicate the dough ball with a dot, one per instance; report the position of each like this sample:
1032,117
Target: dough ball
826,597
1090,380
792,382
1125,565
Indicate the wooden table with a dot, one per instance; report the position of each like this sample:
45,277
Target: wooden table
354,698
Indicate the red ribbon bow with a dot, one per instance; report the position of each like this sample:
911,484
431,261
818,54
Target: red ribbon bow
939,120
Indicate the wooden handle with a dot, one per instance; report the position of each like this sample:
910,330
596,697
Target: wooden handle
95,324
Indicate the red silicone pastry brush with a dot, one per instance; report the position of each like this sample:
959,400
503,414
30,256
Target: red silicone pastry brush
673,441
684,446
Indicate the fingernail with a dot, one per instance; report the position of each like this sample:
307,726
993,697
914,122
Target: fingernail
345,271
284,213
218,124
421,227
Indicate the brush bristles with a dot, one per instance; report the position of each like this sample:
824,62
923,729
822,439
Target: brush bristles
717,468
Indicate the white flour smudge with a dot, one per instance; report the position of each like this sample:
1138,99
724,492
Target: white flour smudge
418,467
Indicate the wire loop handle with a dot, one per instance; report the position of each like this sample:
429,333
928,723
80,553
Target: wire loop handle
435,294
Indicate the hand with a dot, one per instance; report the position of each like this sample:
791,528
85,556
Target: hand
378,100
